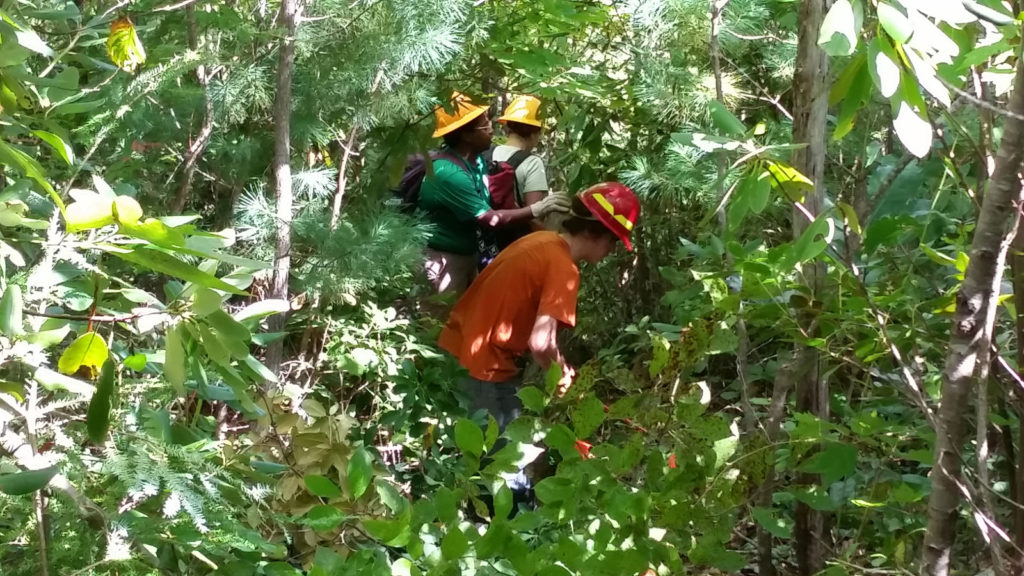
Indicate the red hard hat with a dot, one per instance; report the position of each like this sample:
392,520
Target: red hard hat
615,206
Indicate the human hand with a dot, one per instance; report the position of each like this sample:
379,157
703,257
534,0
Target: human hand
568,375
554,202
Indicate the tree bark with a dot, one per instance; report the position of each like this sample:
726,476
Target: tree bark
282,174
971,334
810,106
202,139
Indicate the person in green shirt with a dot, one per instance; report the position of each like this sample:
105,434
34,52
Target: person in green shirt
456,201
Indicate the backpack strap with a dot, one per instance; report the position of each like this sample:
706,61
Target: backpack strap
518,158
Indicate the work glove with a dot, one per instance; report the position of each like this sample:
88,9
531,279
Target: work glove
554,202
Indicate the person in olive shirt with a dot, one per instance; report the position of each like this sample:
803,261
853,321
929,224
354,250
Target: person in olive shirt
456,201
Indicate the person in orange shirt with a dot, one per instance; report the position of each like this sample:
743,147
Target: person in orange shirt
517,304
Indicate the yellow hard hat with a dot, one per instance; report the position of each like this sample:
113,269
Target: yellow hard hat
523,110
465,112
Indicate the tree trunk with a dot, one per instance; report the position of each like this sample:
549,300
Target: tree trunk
282,174
971,334
810,106
198,145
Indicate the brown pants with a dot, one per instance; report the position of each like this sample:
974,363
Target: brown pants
449,272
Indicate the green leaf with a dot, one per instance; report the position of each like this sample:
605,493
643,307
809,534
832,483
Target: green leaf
913,130
58,144
27,482
391,497
840,28
926,76
257,367
136,362
97,420
321,486
850,217
360,472
725,121
469,437
12,319
205,301
455,544
491,435
882,66
174,359
895,23
323,518
815,497
759,191
391,532
854,99
262,309
503,502
533,398
835,461
223,323
588,416
88,350
167,264
55,381
494,542
214,346
447,504
937,257
555,489
775,525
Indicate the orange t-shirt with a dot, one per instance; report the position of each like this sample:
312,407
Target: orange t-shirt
491,324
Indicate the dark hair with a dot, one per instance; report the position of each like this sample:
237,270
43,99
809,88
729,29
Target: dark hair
524,131
581,222
453,138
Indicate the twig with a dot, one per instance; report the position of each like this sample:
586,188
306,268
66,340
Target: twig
90,318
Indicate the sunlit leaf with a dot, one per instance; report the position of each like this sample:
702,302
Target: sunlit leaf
841,27
913,131
167,264
894,22
88,350
12,319
62,148
124,47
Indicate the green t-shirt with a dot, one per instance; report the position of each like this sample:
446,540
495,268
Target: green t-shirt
453,199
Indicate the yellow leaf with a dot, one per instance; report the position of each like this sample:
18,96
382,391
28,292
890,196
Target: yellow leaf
90,210
127,210
792,183
124,47
88,351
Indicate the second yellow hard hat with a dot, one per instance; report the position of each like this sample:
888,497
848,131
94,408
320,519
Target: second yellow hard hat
523,110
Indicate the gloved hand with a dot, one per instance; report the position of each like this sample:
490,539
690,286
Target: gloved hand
553,202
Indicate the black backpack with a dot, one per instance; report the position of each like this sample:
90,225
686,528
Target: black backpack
406,195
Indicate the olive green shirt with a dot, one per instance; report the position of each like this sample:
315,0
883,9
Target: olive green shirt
453,199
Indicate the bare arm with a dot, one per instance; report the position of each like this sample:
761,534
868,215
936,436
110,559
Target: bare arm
544,342
544,347
499,218
534,197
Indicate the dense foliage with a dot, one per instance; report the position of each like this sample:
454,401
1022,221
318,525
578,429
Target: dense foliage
142,431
